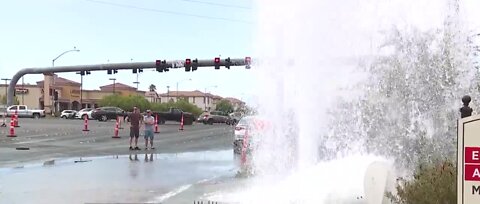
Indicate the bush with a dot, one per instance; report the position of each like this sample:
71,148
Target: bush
432,183
128,102
188,107
225,106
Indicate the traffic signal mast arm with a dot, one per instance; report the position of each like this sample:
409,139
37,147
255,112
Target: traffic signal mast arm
114,67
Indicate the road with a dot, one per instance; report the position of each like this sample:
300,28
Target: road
67,165
58,138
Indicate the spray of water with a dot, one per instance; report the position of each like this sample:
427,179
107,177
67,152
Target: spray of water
314,53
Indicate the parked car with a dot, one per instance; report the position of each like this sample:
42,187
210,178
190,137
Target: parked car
24,112
68,114
174,114
213,117
234,118
84,112
108,113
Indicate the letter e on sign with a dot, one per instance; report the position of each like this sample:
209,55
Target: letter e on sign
472,155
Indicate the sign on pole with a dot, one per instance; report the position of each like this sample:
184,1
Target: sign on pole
468,162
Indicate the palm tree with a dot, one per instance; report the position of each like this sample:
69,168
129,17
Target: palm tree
152,88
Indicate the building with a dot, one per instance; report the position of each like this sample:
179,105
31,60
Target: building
70,95
27,94
204,101
237,103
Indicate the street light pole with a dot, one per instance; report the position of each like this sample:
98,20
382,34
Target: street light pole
189,79
168,94
6,86
23,92
53,65
113,79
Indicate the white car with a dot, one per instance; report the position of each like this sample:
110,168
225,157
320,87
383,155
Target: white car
68,114
84,112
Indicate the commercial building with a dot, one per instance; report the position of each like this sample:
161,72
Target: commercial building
70,95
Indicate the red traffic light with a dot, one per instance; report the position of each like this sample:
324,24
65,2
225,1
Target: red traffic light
217,60
188,61
248,60
158,62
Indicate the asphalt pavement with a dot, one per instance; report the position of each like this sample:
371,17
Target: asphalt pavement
49,139
61,163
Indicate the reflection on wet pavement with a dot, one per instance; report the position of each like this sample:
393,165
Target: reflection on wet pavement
138,177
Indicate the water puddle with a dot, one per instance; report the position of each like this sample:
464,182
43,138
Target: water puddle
137,177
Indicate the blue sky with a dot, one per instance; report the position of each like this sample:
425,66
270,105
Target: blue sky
34,32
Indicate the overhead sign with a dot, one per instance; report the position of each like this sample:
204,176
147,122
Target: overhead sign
468,162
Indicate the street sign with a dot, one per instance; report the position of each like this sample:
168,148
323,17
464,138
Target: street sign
468,160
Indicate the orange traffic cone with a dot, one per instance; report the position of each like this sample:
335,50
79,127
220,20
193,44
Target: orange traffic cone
116,130
12,129
181,123
16,119
245,147
156,124
121,119
85,124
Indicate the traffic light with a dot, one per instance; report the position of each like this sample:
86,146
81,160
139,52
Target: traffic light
161,65
82,73
109,71
164,66
217,62
134,71
188,65
195,65
248,61
158,66
228,62
115,71
88,72
140,70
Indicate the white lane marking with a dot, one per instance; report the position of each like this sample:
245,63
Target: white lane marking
173,193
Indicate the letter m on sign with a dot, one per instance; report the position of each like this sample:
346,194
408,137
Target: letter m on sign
475,189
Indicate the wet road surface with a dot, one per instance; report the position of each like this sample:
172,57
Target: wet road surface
137,177
57,138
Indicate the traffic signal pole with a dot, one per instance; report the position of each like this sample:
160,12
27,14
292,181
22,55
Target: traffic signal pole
174,64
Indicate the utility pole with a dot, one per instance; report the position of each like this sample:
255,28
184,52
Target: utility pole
168,94
113,79
4,123
23,92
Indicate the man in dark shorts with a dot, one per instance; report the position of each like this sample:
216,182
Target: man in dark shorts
135,120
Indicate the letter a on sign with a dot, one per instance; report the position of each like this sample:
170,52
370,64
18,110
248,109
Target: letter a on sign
476,173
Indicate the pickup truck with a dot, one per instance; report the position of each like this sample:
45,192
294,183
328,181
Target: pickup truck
174,114
24,112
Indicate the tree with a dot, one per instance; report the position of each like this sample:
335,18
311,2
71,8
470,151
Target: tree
125,102
152,88
225,106
4,100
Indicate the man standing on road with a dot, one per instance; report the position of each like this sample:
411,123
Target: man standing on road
135,120
149,121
